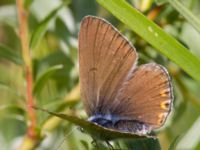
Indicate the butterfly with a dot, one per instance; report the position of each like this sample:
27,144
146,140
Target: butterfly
117,94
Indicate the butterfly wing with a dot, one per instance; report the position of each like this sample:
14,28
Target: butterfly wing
146,96
105,59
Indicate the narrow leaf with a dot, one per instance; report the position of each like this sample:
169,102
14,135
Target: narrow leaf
187,14
85,144
174,143
153,34
40,82
9,54
143,144
42,27
11,91
145,5
27,3
95,130
161,2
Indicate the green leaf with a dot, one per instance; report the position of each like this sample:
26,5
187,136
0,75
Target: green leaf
27,3
146,4
87,7
40,82
11,91
187,14
42,27
96,131
161,2
85,144
12,111
9,54
174,142
154,35
143,144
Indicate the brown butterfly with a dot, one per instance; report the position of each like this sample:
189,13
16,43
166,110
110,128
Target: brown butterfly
117,94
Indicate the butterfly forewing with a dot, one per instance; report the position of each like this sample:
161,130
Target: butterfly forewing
146,96
105,60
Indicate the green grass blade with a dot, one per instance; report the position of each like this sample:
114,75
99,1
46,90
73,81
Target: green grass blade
42,28
187,14
40,82
11,91
161,2
9,54
154,35
143,144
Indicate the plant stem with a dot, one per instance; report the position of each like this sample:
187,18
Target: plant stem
23,33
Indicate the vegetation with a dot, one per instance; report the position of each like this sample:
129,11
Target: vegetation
39,66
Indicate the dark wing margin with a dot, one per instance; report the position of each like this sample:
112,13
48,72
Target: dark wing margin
105,60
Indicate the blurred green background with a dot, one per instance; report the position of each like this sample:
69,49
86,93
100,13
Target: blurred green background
53,31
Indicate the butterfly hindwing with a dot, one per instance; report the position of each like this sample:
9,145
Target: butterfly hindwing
146,96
